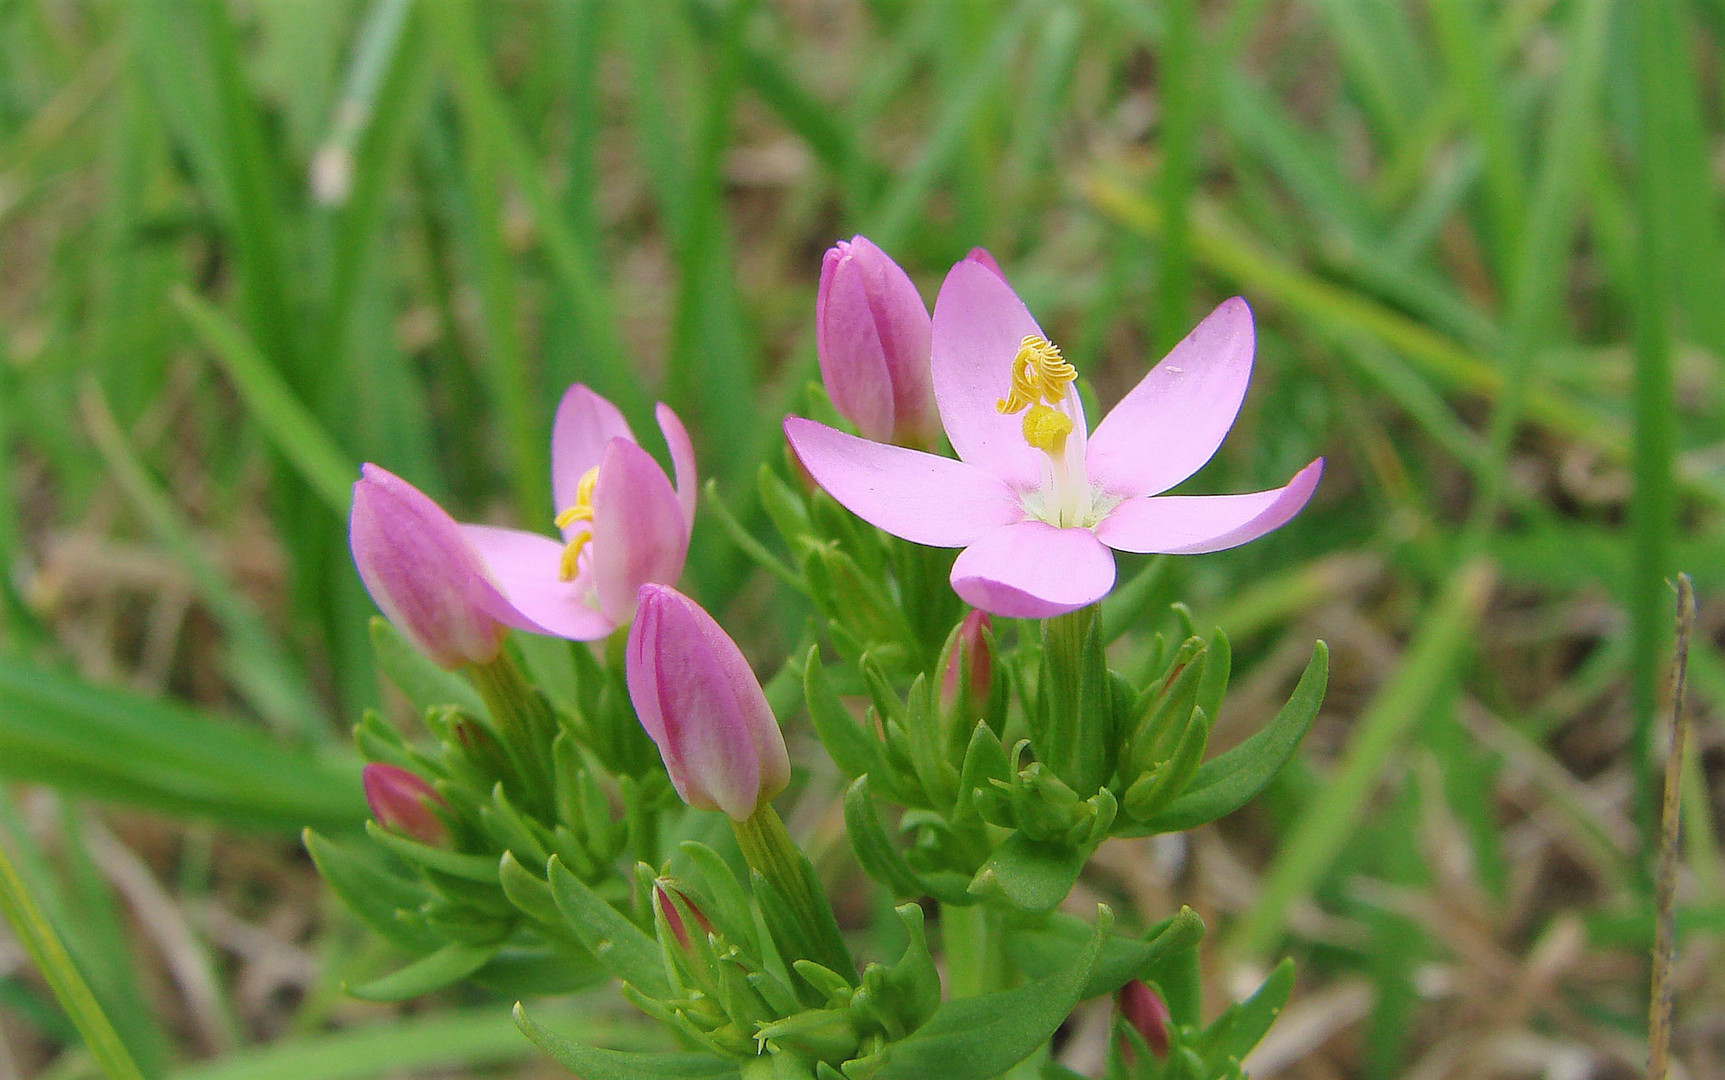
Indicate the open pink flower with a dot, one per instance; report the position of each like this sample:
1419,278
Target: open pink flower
1036,499
623,525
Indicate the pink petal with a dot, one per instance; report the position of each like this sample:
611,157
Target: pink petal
982,257
525,567
682,459
1175,418
921,497
640,533
1192,524
585,423
1033,570
853,357
978,325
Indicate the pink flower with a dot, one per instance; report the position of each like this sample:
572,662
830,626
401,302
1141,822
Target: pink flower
1036,499
699,701
872,334
403,803
622,525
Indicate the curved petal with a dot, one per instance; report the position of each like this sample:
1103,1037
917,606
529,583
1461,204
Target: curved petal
1033,570
978,324
640,533
585,423
682,459
853,358
921,497
1193,524
524,566
1171,423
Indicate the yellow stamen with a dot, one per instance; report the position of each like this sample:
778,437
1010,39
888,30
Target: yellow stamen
1046,429
1038,374
581,511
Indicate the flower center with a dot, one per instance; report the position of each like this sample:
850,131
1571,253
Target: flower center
1041,387
581,511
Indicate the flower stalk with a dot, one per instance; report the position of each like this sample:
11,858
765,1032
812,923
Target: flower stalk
806,926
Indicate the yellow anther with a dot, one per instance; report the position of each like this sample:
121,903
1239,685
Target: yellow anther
581,511
1046,429
1038,374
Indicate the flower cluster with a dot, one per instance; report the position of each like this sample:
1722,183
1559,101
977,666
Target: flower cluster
500,847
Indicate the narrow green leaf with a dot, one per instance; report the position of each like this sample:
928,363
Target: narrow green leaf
1042,950
853,749
1230,780
374,893
617,943
450,964
593,1064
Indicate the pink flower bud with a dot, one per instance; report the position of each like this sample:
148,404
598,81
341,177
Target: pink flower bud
671,902
422,571
872,331
981,256
1145,1010
699,701
967,660
403,803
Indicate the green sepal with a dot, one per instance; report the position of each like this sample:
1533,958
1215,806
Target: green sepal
1244,1024
1167,779
903,997
381,898
729,911
422,682
380,742
591,1063
512,832
1040,951
1218,666
1163,706
613,940
785,508
985,760
529,892
479,868
853,749
982,1037
447,965
881,859
1230,780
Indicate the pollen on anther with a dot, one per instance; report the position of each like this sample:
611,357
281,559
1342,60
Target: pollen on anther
1039,373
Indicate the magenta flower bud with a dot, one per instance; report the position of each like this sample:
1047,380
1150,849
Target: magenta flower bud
967,665
404,803
1144,1009
873,334
421,570
701,704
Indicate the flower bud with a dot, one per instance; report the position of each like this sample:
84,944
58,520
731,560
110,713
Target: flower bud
671,903
422,571
1144,1009
697,698
404,803
980,256
967,668
873,334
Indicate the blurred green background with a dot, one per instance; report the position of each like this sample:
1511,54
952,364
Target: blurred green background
246,246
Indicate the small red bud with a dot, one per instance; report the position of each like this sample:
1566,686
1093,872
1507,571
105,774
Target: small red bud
968,655
404,803
1145,1010
663,890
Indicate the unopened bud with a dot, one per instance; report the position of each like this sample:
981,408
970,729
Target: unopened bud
967,668
873,333
1144,1009
404,803
672,902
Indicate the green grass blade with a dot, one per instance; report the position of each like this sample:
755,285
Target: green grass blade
45,948
301,440
1311,843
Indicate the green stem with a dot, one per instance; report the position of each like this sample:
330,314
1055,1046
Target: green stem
973,956
524,721
807,927
1076,737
